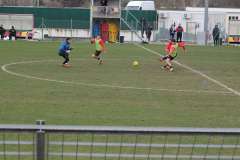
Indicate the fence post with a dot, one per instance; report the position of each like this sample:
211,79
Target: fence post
42,28
71,26
40,141
132,31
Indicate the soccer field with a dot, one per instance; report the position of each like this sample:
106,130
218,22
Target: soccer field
34,85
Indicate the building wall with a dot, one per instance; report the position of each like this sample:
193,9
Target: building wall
181,4
194,24
69,17
54,17
46,3
16,3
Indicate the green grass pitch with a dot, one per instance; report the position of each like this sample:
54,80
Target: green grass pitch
116,93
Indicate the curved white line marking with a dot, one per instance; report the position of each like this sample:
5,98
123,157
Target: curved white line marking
4,68
195,71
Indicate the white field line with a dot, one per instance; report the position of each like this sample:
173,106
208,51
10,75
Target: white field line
195,71
4,68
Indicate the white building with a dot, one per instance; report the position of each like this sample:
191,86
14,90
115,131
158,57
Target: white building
192,20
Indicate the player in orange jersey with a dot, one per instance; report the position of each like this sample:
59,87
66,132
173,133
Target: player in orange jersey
100,47
171,53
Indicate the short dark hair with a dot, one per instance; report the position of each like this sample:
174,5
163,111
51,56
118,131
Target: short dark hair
67,39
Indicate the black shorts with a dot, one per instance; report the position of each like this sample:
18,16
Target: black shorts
97,53
168,57
63,54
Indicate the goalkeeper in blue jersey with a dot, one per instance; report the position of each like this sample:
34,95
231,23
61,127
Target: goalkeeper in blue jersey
64,51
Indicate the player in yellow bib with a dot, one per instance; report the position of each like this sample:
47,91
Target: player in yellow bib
100,47
171,50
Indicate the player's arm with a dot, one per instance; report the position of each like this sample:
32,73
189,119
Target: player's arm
102,45
166,48
182,45
67,47
92,40
171,51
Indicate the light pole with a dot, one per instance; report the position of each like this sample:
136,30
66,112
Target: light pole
91,18
206,22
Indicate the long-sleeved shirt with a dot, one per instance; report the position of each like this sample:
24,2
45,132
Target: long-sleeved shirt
64,47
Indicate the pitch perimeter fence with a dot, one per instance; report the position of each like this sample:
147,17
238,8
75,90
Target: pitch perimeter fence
51,142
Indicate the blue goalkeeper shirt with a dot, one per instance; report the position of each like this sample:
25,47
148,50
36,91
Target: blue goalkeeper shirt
64,47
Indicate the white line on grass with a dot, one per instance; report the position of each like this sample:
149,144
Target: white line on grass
4,68
194,71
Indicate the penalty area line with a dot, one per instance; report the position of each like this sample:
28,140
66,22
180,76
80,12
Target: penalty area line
194,71
4,68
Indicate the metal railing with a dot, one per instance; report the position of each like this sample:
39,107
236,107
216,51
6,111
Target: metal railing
106,11
132,24
48,142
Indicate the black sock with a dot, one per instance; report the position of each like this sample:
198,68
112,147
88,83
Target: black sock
66,61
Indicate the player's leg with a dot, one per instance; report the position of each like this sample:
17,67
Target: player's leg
177,37
164,58
62,55
218,41
171,36
98,56
168,60
180,38
169,64
66,60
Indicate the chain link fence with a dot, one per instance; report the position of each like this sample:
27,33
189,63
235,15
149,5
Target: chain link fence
57,28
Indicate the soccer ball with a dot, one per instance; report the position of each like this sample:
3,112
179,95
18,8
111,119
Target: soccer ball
135,63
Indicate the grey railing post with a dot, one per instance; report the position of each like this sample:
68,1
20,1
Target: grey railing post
42,25
71,26
40,141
